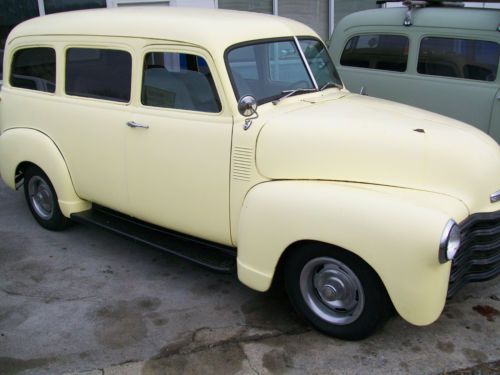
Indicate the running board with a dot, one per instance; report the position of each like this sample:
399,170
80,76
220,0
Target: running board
208,254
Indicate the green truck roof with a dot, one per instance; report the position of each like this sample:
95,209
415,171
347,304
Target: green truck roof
463,18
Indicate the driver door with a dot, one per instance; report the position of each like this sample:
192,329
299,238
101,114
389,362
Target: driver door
179,144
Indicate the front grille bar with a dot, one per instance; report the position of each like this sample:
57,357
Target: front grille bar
478,258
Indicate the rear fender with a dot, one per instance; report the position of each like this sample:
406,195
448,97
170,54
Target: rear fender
20,145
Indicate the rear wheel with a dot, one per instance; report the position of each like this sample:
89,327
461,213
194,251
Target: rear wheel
42,200
336,291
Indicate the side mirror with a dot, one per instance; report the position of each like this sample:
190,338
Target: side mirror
247,106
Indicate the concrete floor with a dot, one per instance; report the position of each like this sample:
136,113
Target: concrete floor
85,300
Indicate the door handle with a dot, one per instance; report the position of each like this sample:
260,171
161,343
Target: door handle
134,124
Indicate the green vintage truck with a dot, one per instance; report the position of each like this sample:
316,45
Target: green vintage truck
433,55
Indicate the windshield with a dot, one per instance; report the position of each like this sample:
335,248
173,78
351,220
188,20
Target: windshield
271,69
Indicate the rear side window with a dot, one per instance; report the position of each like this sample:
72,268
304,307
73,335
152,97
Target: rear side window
459,58
34,69
99,73
178,80
376,51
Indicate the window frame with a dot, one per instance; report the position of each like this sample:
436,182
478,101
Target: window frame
461,36
179,49
260,41
104,46
408,37
7,80
295,39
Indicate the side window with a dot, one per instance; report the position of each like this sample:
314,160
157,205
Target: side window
460,58
99,73
377,51
178,80
34,69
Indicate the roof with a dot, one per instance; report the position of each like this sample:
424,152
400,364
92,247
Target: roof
464,18
211,28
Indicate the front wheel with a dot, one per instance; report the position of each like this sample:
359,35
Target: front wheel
336,291
42,200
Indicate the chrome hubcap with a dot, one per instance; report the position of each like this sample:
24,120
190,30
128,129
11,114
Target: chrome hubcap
41,197
332,290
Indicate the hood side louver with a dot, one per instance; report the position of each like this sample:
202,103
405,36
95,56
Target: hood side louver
242,163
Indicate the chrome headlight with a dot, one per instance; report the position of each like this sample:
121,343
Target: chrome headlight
450,241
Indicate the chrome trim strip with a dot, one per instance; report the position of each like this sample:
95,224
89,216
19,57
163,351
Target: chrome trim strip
495,197
309,71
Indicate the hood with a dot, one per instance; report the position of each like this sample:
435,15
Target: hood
368,140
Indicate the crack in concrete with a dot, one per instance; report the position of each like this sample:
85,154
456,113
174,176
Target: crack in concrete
248,360
45,298
188,345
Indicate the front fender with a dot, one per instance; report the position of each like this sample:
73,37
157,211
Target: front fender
19,145
396,231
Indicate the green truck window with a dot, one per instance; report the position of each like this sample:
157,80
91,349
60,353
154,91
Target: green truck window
376,51
459,58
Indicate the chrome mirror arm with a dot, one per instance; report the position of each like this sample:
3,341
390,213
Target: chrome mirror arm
249,121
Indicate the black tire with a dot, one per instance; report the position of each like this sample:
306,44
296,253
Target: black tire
42,200
336,291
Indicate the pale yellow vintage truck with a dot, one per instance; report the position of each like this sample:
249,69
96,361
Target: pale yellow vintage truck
228,138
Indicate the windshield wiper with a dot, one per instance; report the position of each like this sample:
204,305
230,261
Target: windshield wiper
289,93
331,84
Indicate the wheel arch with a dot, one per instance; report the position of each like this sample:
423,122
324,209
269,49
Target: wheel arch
20,170
302,245
395,232
22,147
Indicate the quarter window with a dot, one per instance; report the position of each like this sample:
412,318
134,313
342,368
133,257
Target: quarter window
178,80
34,69
99,73
376,51
459,58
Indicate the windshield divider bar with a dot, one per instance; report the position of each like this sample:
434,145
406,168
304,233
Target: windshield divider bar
306,63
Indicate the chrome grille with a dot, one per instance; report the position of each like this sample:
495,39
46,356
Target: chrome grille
478,258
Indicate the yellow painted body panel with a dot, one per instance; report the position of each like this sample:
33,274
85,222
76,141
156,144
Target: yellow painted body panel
29,145
363,139
396,231
186,157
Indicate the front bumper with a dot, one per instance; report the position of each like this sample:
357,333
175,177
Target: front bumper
478,258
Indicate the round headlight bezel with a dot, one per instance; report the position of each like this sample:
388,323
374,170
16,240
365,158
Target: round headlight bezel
450,242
